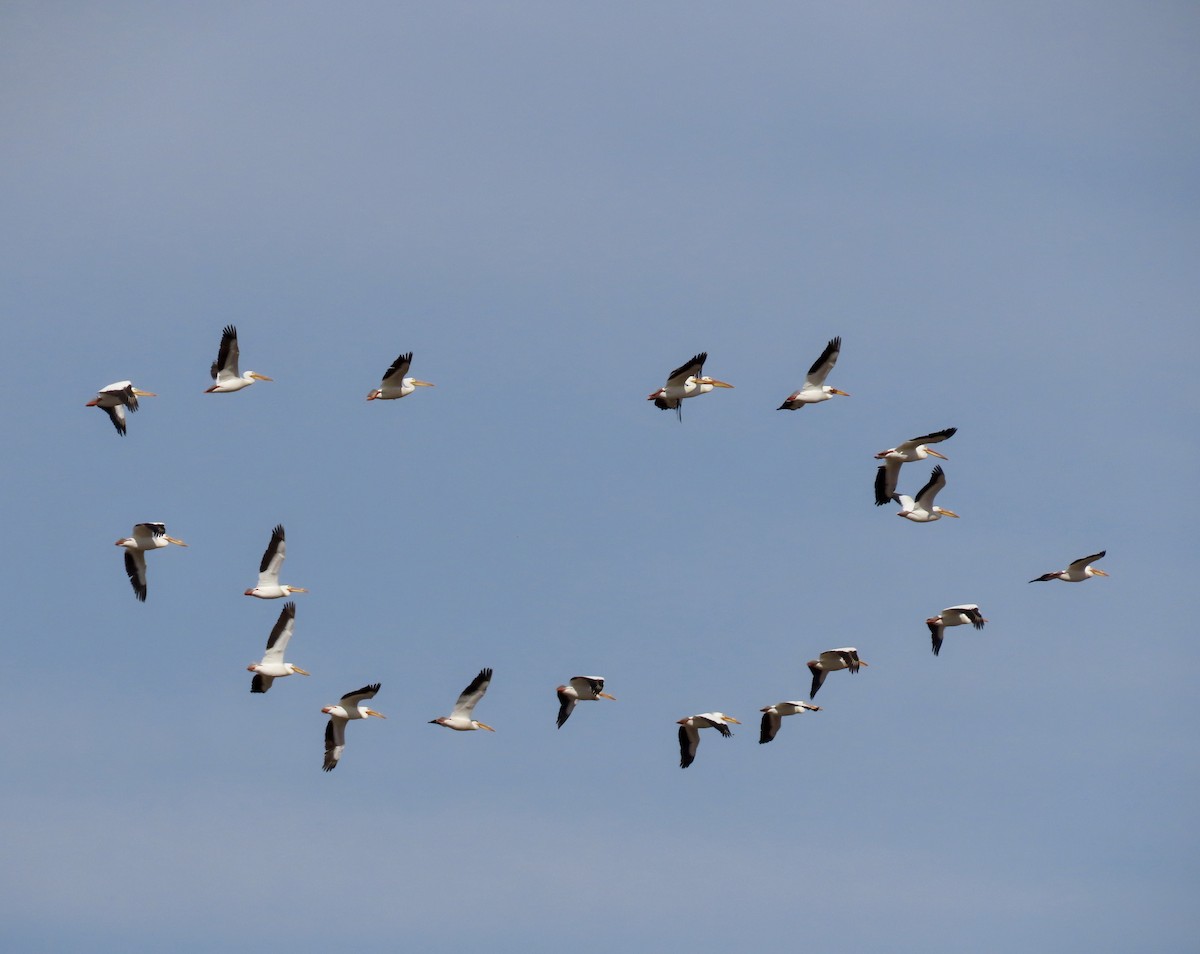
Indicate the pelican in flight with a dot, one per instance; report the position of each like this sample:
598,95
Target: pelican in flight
114,398
272,666
394,384
460,719
953,616
685,382
773,716
814,389
224,370
922,509
831,661
915,449
339,715
580,688
1076,572
689,733
269,587
146,536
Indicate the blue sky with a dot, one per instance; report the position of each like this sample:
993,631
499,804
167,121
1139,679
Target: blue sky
552,206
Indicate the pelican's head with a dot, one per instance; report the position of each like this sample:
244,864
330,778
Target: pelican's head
178,543
828,390
1095,572
944,512
714,382
257,377
140,393
605,695
932,453
295,589
295,668
371,712
725,718
419,384
481,725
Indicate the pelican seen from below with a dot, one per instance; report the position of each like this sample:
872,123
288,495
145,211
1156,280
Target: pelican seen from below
460,718
348,708
831,661
1076,572
814,389
953,616
689,733
113,399
272,666
686,381
773,717
916,448
579,689
921,509
224,370
269,587
396,384
146,536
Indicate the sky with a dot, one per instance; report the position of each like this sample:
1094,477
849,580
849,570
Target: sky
552,206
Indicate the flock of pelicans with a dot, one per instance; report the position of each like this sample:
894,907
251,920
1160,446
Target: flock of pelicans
686,381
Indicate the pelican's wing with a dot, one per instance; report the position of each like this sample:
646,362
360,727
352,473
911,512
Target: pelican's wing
925,495
885,481
823,365
679,376
395,375
1081,564
472,694
818,679
261,683
135,567
934,438
689,738
936,632
970,611
272,560
566,705
117,416
226,365
771,721
335,741
588,687
144,534
280,634
351,700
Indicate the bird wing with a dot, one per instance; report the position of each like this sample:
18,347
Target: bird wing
823,365
818,679
566,704
771,721
335,742
226,365
971,612
689,739
135,568
1081,564
936,633
588,687
934,438
261,683
117,416
472,694
351,700
144,534
281,633
925,495
395,375
885,481
272,560
678,377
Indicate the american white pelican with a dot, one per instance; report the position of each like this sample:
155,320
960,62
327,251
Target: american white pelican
689,733
224,370
146,536
272,666
394,384
773,716
922,509
460,719
1076,572
953,616
269,587
685,382
814,388
339,715
915,449
831,661
580,688
114,398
